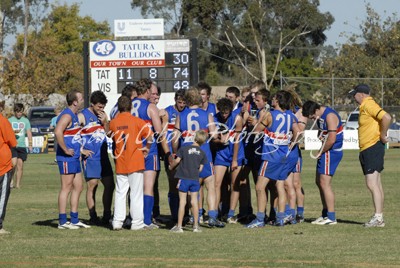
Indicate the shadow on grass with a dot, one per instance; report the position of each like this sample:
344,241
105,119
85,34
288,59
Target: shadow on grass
54,223
49,223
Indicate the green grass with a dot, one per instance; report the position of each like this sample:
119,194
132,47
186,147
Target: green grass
36,242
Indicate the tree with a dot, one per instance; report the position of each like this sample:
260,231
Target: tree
169,10
53,63
253,34
372,57
10,12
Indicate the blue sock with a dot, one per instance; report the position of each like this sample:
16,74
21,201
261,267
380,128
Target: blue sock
324,213
280,216
260,216
287,209
293,213
173,200
331,216
300,211
62,218
213,214
231,213
74,217
148,202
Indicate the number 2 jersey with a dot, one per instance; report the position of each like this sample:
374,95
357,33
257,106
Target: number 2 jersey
277,137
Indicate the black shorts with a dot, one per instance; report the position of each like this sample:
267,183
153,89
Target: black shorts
371,159
20,152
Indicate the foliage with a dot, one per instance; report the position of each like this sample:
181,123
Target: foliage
257,33
11,14
54,62
375,53
169,10
302,67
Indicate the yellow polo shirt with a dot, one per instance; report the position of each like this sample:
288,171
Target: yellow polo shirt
369,131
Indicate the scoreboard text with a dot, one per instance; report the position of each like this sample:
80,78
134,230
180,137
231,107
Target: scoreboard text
172,64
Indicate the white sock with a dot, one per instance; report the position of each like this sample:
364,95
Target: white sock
379,216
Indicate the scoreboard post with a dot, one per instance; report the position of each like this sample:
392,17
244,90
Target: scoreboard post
110,65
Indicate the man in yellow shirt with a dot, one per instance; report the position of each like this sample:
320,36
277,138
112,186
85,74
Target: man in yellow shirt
372,136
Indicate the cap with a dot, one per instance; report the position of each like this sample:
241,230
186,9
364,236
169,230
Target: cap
361,88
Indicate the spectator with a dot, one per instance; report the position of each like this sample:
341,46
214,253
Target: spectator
372,135
22,129
7,141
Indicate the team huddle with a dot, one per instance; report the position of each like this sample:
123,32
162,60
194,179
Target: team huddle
200,144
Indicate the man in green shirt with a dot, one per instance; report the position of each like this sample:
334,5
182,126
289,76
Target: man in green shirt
22,129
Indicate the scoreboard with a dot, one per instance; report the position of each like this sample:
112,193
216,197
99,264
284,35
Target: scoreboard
172,64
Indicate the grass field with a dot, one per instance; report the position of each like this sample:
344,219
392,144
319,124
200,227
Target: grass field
35,240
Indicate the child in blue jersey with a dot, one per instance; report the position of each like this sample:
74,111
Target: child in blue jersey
278,126
95,163
68,137
331,133
190,160
168,117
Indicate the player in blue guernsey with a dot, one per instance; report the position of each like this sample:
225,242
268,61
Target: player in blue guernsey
295,175
147,111
68,137
190,120
168,117
205,92
128,91
279,127
230,152
251,142
95,163
331,133
233,93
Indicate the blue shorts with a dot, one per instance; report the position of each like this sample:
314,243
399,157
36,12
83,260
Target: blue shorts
273,171
329,161
221,160
93,169
152,162
295,166
208,170
185,185
70,167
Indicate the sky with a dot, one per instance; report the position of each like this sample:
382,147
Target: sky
348,14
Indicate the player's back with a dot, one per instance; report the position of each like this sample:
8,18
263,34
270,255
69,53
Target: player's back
140,109
277,136
192,120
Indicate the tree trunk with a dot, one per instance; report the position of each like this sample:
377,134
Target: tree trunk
26,27
263,66
2,17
